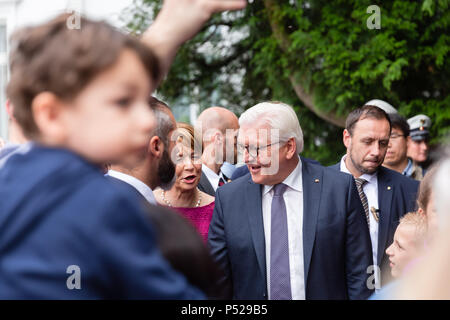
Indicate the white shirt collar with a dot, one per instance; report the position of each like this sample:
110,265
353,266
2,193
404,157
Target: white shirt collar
136,183
212,176
293,181
369,177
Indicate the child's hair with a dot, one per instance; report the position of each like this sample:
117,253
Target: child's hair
419,222
425,188
51,57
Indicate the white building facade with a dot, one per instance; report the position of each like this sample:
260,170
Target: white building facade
19,13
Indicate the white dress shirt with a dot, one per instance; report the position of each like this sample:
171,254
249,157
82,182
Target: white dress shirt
371,191
293,198
212,177
143,189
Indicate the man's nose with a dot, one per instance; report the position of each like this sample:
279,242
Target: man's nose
424,146
375,149
248,158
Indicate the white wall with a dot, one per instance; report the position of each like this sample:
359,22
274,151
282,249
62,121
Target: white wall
19,13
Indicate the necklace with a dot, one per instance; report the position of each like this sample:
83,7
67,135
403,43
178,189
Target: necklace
163,195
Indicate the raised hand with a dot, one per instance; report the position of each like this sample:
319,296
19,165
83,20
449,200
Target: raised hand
178,21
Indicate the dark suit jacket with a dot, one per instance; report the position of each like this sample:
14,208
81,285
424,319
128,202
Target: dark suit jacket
396,197
205,186
336,242
57,210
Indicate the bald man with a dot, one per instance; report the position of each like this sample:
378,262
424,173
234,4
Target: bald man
155,168
219,127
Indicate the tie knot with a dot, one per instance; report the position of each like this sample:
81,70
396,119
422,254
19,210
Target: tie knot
279,189
360,182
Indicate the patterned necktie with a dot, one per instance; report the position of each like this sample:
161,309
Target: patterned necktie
221,181
359,185
280,280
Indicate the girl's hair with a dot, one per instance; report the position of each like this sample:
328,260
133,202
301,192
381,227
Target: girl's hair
425,188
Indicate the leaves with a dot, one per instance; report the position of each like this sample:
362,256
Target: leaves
238,61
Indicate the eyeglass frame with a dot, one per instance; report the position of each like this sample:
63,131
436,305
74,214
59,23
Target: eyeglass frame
247,148
395,136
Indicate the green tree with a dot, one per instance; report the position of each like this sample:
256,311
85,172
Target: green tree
318,56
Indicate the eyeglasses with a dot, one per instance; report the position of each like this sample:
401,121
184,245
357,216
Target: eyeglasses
254,151
396,136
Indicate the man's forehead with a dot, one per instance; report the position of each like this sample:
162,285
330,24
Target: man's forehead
369,124
258,133
371,131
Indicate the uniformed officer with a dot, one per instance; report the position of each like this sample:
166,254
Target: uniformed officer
419,126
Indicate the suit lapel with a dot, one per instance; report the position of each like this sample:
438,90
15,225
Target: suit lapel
385,193
312,190
253,207
206,185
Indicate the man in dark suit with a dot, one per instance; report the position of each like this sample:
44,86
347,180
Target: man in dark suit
218,127
386,194
293,230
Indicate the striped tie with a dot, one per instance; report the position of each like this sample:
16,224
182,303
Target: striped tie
359,185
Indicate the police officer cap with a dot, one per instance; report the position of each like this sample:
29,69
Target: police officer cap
382,105
418,126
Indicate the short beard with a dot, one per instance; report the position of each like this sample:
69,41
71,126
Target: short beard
360,168
166,171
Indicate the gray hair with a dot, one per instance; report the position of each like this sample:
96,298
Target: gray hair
277,115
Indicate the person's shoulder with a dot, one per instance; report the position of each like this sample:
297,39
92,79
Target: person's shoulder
328,172
398,178
234,188
238,182
336,166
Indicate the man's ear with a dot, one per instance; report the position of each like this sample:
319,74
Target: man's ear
291,148
408,141
346,138
47,110
156,147
218,138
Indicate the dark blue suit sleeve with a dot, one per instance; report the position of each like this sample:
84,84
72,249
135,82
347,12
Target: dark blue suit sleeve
129,247
218,244
358,247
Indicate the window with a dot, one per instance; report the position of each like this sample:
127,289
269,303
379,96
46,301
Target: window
3,80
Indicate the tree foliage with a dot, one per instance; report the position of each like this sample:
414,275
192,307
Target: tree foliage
318,56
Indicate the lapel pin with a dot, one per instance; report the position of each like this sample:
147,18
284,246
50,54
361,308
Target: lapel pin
389,188
316,180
